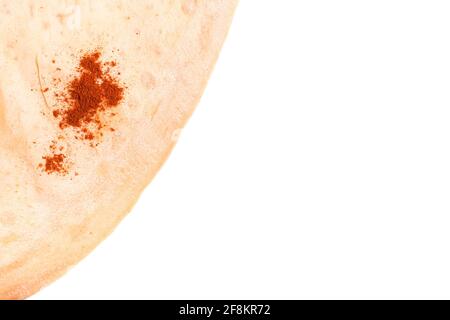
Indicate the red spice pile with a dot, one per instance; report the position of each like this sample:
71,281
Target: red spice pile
83,104
55,162
92,92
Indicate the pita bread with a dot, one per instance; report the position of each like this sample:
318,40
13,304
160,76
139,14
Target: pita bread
165,51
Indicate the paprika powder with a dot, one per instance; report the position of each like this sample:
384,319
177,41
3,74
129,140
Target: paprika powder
81,104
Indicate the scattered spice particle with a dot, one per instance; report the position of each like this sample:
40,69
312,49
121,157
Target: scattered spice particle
92,92
111,63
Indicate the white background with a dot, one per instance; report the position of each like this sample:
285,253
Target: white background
317,165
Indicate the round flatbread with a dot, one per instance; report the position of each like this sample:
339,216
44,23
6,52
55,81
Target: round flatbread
93,95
